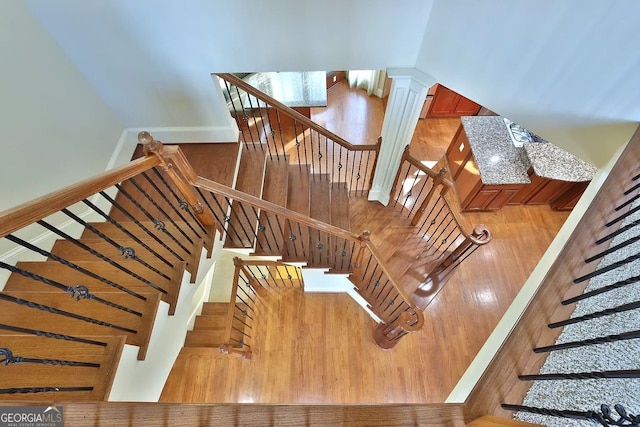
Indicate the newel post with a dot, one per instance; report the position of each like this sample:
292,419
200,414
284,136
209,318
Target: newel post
179,170
386,336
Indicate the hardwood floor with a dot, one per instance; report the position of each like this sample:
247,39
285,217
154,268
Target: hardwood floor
317,348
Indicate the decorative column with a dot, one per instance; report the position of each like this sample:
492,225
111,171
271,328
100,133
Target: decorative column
408,91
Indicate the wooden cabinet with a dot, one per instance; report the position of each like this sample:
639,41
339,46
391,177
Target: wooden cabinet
447,103
490,197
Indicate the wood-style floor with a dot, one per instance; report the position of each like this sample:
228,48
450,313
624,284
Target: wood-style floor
317,348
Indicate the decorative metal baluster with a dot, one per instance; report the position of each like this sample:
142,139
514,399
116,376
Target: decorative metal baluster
57,311
271,132
11,359
292,239
158,224
181,203
25,390
270,227
358,175
127,252
151,218
401,187
284,150
367,173
622,373
126,231
253,232
618,309
623,216
443,220
255,121
295,131
72,265
616,285
605,417
451,242
340,164
598,340
628,202
224,221
326,155
245,116
77,292
99,255
314,169
612,249
353,164
617,232
610,267
433,220
48,334
235,111
631,190
417,198
159,208
346,167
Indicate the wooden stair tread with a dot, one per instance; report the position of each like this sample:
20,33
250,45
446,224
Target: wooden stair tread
320,209
340,218
244,219
70,276
271,240
213,308
209,338
37,375
298,200
44,320
225,153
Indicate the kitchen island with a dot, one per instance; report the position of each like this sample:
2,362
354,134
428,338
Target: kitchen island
489,171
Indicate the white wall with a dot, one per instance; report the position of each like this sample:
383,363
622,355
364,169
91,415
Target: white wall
151,60
52,123
566,70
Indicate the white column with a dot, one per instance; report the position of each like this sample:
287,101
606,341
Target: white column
408,91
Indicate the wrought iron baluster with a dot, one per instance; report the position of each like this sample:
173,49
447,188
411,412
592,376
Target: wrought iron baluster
618,232
99,255
596,314
127,252
609,267
72,265
245,117
598,340
271,132
12,359
48,334
159,208
253,114
77,292
126,231
605,417
621,373
401,187
353,164
159,224
623,216
612,249
284,150
25,390
151,218
628,202
58,311
235,111
367,173
616,285
180,202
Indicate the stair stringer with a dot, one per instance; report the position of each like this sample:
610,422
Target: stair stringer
143,381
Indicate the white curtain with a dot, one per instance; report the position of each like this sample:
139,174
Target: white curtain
365,79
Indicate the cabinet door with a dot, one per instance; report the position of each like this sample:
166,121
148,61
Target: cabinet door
482,200
466,107
501,199
444,102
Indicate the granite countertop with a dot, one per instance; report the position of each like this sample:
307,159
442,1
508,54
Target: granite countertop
500,162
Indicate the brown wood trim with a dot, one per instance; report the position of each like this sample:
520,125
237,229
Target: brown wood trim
294,114
433,174
499,383
254,415
27,213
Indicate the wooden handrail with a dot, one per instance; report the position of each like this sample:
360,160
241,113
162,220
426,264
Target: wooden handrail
294,114
433,174
12,220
